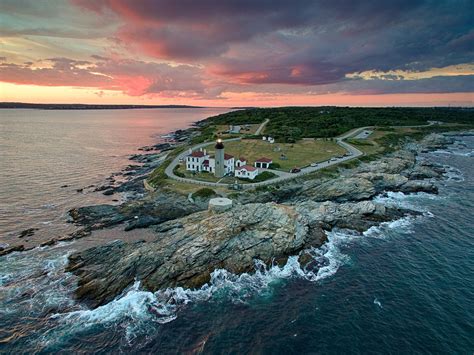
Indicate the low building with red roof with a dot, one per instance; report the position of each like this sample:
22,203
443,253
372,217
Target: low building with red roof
263,163
240,162
246,172
195,160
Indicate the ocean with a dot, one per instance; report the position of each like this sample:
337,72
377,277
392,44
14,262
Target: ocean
403,287
47,155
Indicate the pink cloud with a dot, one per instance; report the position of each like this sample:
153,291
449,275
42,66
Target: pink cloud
132,77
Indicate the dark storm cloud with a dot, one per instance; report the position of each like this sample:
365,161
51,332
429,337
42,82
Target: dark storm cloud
306,42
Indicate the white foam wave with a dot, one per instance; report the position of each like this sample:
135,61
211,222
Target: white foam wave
403,224
137,309
406,201
453,174
456,152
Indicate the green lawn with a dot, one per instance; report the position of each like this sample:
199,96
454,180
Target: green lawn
298,154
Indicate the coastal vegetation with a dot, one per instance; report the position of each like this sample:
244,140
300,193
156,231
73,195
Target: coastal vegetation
289,124
158,176
305,135
204,193
263,176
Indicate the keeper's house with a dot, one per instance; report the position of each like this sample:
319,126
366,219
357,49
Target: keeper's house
195,160
246,172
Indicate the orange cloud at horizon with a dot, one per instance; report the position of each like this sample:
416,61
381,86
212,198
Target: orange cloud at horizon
63,94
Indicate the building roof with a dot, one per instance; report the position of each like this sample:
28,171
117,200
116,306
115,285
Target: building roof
242,159
206,162
197,154
228,156
247,167
264,160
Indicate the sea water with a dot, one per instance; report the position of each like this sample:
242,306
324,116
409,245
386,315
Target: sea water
403,287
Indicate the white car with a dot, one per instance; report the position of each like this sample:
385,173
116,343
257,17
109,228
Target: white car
314,164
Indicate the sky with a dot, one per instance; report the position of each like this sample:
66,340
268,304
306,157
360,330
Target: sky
238,52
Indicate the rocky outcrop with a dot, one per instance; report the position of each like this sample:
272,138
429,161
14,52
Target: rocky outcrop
436,141
396,163
414,186
188,249
137,214
342,189
356,216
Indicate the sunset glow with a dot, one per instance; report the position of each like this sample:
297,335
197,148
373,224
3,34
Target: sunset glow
237,53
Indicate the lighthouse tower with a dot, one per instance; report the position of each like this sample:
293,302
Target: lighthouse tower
219,156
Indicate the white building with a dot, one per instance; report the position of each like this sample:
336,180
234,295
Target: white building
240,162
195,160
229,163
263,163
246,172
234,129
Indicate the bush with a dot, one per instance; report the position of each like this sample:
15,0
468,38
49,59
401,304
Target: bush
177,172
266,175
158,176
275,166
204,193
359,142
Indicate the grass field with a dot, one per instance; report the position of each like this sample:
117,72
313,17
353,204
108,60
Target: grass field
298,154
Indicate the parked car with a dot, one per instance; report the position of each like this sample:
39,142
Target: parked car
314,164
295,170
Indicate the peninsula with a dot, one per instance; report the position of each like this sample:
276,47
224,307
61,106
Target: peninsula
24,105
325,166
268,222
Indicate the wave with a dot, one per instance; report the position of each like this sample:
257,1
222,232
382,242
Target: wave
413,201
453,174
404,225
137,310
456,152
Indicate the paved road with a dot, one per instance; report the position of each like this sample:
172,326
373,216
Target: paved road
262,126
352,153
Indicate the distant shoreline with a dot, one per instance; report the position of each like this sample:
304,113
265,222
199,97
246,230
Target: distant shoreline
22,105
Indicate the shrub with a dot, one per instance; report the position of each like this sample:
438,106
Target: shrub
266,175
205,192
177,172
275,166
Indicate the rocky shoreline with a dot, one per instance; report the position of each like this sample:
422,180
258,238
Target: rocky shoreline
267,225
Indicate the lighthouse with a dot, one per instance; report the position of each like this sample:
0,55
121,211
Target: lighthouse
219,156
